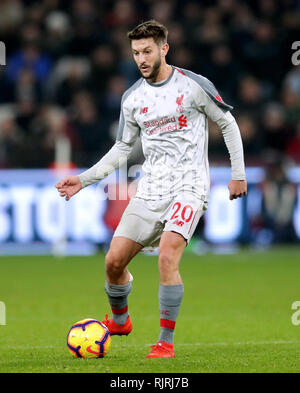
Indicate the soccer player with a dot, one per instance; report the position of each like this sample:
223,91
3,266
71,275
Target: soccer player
168,108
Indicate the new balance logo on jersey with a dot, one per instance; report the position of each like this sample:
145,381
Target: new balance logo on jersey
144,110
179,223
182,120
179,100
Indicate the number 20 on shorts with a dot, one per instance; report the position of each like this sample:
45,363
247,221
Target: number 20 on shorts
186,212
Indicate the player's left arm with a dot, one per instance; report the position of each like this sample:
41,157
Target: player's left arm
218,111
232,137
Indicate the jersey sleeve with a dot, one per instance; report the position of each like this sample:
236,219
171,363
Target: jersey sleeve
128,128
208,99
112,160
232,137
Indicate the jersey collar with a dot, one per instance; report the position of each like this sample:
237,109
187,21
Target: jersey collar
162,83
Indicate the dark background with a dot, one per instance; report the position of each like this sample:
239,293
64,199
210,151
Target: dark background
69,62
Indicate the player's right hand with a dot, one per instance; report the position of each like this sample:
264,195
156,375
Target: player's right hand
69,186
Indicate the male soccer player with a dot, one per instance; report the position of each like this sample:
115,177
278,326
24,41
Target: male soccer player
168,108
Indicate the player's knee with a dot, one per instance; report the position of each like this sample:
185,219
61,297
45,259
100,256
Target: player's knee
113,264
166,261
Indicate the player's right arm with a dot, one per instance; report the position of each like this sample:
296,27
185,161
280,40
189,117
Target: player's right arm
116,156
112,160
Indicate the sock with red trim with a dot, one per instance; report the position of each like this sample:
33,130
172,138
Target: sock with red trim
170,297
118,300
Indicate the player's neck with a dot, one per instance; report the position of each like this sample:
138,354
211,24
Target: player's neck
164,72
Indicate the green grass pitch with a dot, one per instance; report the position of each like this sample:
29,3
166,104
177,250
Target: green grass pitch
235,315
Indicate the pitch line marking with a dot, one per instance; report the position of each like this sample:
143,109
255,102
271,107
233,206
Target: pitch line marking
237,343
275,342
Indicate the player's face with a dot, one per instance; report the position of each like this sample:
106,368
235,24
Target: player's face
148,57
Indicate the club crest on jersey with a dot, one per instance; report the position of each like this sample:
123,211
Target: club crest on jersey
179,100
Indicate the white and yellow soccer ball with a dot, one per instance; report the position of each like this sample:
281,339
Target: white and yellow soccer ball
88,338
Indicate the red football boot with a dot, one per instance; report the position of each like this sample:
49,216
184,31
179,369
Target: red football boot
161,350
116,329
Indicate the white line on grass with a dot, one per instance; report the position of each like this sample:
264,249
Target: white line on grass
237,343
123,343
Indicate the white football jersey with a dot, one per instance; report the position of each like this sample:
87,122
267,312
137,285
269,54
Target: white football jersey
171,119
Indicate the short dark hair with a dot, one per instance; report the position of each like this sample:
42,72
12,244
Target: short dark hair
148,29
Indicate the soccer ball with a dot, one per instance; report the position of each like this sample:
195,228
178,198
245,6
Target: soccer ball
88,338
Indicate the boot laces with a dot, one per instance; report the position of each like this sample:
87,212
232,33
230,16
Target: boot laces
106,320
159,347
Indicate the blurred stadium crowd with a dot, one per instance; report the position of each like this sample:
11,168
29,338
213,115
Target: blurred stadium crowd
69,62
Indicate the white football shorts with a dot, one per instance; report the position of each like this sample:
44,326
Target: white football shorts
144,221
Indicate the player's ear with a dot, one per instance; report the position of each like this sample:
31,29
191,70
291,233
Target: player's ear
164,49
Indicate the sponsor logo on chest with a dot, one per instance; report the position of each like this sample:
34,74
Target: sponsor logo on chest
165,124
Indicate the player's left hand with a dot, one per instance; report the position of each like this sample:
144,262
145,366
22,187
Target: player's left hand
237,189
